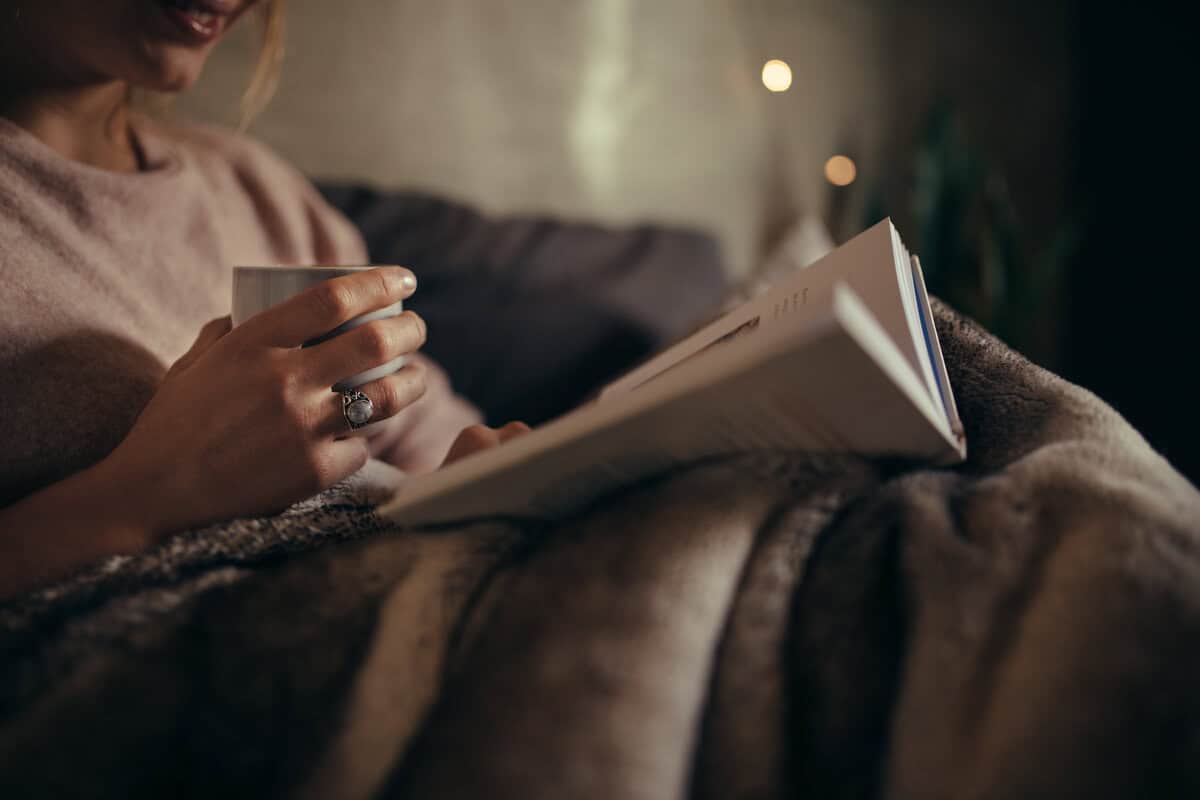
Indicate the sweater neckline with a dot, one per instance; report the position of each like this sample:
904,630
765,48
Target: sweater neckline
160,159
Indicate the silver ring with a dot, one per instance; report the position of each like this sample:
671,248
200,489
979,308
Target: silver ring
357,408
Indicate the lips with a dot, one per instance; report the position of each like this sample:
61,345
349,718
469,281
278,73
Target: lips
198,21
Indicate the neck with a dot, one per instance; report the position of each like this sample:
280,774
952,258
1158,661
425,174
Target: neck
88,124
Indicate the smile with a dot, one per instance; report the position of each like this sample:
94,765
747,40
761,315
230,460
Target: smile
199,21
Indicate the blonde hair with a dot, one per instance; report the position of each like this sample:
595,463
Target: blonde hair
265,79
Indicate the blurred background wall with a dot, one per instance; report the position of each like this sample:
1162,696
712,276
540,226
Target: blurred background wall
1002,137
632,109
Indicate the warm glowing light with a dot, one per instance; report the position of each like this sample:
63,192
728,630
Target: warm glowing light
777,75
840,171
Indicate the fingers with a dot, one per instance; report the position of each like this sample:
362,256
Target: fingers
209,335
363,348
512,430
337,460
481,437
389,396
321,308
472,440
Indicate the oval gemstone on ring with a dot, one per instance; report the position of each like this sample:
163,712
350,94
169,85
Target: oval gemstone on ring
360,410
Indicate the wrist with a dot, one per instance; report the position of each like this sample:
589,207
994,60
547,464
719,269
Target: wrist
121,505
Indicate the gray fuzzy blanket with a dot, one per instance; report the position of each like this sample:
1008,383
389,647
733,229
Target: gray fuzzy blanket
1024,625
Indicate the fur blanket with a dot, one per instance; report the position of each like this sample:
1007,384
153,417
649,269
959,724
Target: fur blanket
1024,625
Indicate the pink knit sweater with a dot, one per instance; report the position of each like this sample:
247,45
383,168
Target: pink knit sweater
106,278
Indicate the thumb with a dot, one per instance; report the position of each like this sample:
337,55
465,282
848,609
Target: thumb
209,335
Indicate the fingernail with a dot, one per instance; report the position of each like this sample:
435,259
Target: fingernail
408,281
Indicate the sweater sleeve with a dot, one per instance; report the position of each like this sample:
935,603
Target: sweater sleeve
418,438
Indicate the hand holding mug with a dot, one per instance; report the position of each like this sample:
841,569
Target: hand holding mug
245,422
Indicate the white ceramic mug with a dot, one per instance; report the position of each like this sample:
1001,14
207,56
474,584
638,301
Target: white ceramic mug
256,289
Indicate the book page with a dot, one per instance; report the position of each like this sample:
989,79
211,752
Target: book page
867,263
711,334
790,299
916,321
942,378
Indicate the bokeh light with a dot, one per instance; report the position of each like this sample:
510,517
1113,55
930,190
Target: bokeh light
777,75
840,171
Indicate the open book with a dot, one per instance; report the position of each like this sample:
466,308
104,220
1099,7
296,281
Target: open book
842,356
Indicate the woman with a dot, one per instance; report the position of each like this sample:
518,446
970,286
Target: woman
116,243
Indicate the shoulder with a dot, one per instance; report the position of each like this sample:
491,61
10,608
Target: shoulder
230,161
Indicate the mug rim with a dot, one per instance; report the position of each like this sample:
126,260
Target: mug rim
293,268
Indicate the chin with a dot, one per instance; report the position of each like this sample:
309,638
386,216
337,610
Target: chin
176,81
169,70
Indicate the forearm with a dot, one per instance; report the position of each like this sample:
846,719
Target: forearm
74,522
